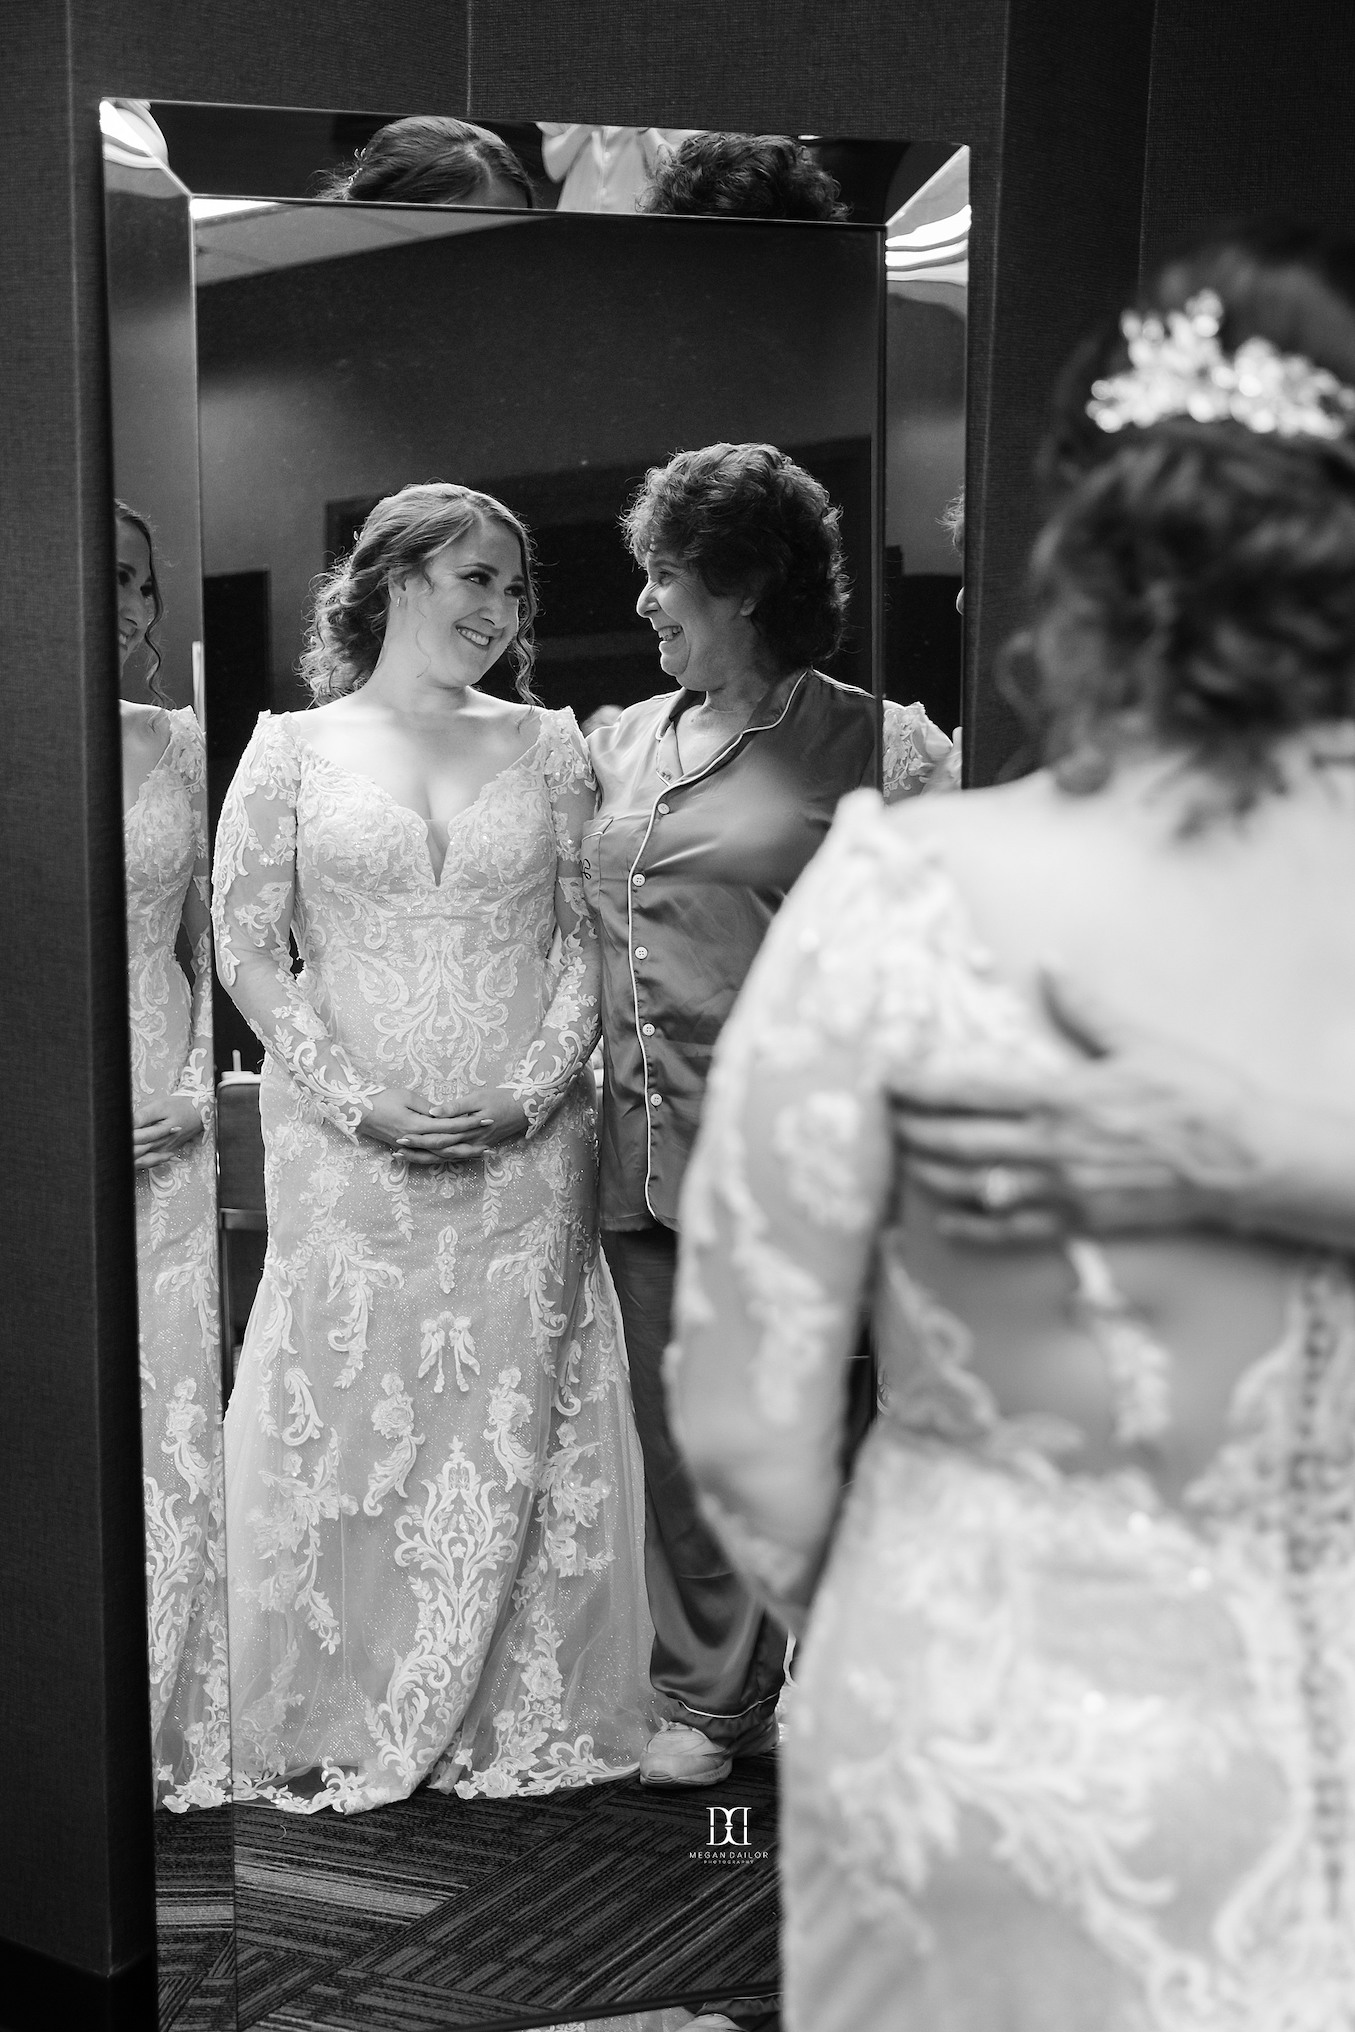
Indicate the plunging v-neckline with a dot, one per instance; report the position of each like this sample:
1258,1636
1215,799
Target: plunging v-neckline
357,776
158,763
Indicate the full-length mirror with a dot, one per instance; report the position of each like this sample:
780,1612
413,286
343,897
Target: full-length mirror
561,567
158,573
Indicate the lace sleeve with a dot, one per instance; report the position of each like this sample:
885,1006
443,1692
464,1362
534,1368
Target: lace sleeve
196,1081
569,1029
785,1194
918,756
254,884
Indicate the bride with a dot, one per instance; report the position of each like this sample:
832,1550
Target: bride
1071,1745
164,779
434,1497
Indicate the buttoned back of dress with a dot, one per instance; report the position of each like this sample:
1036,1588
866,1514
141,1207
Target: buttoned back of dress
684,874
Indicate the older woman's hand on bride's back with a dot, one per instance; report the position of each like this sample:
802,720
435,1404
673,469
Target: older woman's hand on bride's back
1143,1134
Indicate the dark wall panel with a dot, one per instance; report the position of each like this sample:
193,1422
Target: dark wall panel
1066,251
910,69
74,1830
1250,111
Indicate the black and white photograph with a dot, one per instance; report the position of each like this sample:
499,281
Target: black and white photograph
474,464
679,1241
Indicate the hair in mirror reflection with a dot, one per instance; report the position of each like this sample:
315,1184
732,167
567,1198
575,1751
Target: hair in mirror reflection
744,517
399,537
430,160
136,521
745,176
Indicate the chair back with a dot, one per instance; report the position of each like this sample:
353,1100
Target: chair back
239,1144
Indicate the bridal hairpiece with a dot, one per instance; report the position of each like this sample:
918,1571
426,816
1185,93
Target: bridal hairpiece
1178,368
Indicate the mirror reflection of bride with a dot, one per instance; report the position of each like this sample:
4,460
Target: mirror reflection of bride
435,1507
165,844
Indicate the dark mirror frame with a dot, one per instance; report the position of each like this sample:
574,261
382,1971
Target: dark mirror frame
1054,100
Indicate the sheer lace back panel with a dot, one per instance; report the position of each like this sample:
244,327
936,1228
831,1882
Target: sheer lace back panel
879,974
1110,1732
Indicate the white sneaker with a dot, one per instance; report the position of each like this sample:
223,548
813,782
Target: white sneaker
679,1755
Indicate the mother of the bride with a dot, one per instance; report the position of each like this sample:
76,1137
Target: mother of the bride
712,800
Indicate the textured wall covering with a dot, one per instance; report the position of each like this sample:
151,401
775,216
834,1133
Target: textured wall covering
70,1587
1250,112
1051,95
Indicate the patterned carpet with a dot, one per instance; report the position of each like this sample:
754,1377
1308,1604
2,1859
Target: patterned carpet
443,1915
195,1922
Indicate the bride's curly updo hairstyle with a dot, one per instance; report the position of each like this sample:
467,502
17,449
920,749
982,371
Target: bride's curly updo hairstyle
1195,585
399,537
746,518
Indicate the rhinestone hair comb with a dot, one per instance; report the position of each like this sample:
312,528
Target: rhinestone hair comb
1178,368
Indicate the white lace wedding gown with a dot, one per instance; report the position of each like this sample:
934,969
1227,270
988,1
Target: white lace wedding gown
165,843
435,1500
1066,1753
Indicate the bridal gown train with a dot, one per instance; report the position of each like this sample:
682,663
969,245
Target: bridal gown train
165,843
434,1495
1066,1753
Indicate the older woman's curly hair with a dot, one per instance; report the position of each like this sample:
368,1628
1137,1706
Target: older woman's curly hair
430,159
746,518
1195,586
402,534
743,176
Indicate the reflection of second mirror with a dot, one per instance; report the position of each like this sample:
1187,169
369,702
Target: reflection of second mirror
436,1500
436,1510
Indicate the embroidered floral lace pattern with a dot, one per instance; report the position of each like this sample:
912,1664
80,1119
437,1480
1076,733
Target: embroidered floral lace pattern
165,840
1064,1756
914,750
435,1502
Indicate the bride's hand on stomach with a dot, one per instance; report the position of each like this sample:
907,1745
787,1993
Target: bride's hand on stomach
475,1125
161,1127
403,1121
446,1132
